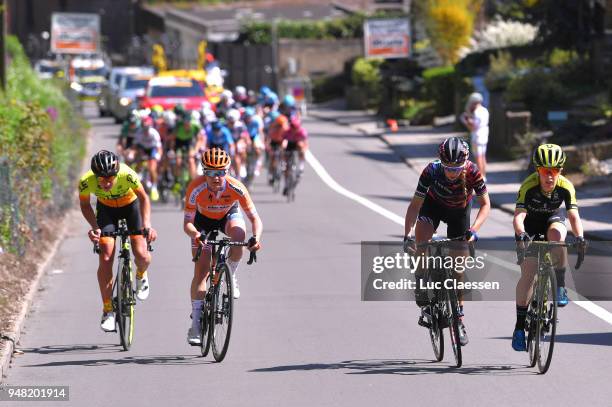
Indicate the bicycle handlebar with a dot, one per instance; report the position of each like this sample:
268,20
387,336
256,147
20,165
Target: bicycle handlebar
441,242
122,232
221,243
521,251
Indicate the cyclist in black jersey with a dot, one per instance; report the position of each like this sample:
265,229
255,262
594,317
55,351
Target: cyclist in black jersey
537,215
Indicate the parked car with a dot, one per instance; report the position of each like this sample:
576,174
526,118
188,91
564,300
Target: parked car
87,76
130,88
48,69
110,90
171,91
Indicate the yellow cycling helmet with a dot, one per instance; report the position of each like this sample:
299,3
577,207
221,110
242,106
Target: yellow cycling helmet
549,156
158,109
216,159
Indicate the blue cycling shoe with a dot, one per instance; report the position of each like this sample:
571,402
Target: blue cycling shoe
518,341
562,299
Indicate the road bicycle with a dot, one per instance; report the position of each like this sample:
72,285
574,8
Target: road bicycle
443,308
124,299
541,321
291,174
218,308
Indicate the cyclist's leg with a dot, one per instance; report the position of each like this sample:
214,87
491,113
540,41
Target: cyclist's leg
458,221
142,257
191,153
426,225
556,232
235,228
106,220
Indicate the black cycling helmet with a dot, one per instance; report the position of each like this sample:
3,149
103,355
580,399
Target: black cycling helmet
179,111
105,164
453,151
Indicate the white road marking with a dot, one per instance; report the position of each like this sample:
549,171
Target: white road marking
589,306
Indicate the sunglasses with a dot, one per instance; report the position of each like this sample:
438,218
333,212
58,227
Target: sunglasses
107,179
549,171
215,173
453,169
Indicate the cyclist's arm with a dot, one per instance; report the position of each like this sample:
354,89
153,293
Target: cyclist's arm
411,214
483,212
190,211
145,206
575,222
519,220
88,212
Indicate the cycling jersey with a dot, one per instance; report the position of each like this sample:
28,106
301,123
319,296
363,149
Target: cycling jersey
126,137
221,138
536,203
121,194
187,134
451,194
278,128
147,140
215,205
254,127
293,135
237,129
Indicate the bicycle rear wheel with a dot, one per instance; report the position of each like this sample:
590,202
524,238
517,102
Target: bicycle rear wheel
546,319
436,334
222,312
452,316
125,306
530,325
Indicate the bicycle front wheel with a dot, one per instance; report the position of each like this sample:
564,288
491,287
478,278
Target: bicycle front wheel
125,306
546,319
452,315
206,321
222,312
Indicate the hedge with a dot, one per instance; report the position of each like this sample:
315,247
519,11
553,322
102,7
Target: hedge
42,144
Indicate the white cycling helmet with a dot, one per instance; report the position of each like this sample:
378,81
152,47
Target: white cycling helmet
169,118
233,115
226,94
240,91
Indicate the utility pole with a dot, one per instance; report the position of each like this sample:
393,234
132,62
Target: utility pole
3,44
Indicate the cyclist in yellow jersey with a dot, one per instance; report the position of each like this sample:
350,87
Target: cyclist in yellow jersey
120,195
537,215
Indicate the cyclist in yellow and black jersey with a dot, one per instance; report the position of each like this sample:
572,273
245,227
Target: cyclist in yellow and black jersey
537,215
120,195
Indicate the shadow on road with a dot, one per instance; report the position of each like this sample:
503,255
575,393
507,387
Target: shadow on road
403,367
591,338
96,349
156,360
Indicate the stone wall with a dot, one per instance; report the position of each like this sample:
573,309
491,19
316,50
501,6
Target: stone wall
317,57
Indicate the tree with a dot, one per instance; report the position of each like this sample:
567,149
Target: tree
450,24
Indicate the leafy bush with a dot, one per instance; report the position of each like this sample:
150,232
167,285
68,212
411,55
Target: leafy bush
500,34
41,146
417,111
366,75
541,91
348,27
440,88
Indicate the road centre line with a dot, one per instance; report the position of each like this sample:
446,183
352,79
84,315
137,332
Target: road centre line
316,165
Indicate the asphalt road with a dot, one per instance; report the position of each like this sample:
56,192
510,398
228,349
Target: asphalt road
301,336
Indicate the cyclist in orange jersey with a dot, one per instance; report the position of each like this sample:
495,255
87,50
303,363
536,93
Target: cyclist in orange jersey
211,203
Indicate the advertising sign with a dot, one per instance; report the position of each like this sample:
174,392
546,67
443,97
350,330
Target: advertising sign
387,38
75,33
